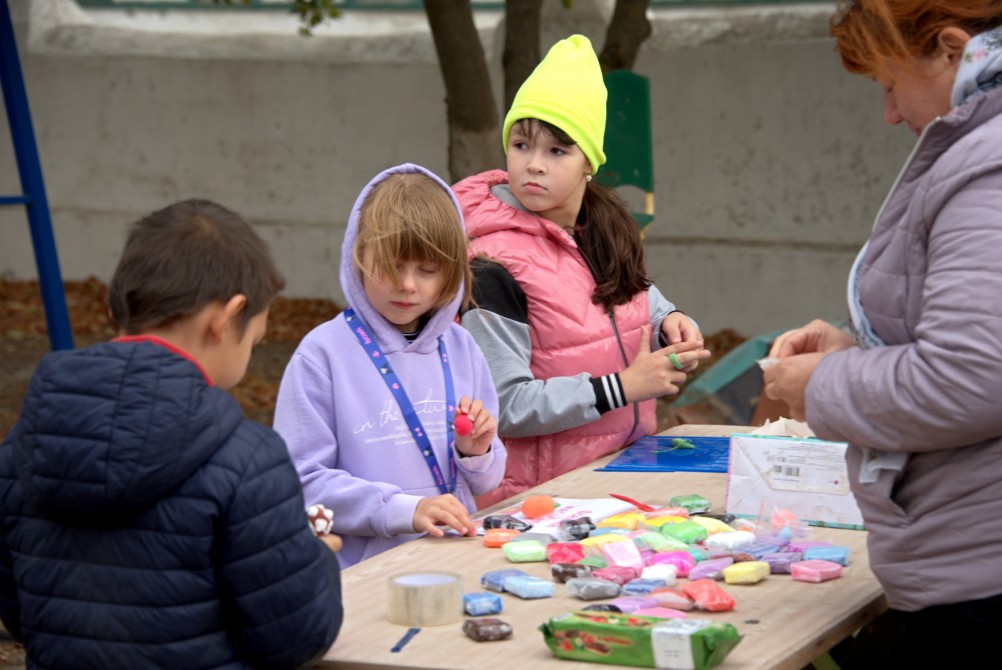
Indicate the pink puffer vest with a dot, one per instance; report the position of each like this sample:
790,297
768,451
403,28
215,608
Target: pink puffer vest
569,335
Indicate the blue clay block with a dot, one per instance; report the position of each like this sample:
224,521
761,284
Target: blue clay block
835,554
481,603
609,531
757,551
642,586
495,580
529,587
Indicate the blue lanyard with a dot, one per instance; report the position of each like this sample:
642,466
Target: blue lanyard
417,430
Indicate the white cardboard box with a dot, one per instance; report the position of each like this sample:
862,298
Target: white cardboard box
806,476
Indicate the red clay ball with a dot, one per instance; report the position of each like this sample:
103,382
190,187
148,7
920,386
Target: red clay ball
462,424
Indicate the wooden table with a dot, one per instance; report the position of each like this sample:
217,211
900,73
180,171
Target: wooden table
785,624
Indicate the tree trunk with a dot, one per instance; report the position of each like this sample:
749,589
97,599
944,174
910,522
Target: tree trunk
627,30
470,110
521,44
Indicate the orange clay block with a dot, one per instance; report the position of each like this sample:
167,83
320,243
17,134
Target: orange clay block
495,537
536,506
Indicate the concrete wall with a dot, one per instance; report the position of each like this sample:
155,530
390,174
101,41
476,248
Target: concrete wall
770,161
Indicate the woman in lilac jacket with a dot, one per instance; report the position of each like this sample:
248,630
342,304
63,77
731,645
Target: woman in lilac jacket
915,388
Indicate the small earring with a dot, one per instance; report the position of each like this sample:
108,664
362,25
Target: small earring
587,177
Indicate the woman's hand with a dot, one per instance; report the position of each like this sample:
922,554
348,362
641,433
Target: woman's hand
478,441
817,336
653,374
443,510
787,380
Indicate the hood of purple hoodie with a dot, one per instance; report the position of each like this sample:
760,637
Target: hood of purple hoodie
390,339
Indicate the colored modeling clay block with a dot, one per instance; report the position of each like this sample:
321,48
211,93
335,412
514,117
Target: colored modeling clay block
682,560
524,552
737,539
496,537
534,507
594,561
835,554
592,544
628,604
494,580
619,574
505,521
627,520
576,529
619,533
641,586
684,531
654,541
673,598
655,523
592,588
543,538
487,630
600,607
561,572
711,525
672,510
780,561
711,569
746,572
665,572
564,552
697,553
758,550
708,595
661,613
804,545
480,603
815,570
624,555
691,502
528,587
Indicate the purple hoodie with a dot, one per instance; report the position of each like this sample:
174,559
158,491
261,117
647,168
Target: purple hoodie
345,432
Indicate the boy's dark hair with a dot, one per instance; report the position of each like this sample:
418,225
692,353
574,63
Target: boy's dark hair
185,256
606,234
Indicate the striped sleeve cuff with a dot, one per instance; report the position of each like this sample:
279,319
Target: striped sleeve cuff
608,393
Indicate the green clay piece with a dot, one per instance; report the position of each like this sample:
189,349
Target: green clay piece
592,561
681,443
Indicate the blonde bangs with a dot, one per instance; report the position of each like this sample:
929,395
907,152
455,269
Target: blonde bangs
411,217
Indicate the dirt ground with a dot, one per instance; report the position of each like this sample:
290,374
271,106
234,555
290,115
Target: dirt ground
23,342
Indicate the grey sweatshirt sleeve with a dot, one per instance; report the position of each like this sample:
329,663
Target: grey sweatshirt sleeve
660,307
500,325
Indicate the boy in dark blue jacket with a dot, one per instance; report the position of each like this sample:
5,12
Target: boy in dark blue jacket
143,521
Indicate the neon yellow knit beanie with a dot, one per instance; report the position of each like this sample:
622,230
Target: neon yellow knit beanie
567,90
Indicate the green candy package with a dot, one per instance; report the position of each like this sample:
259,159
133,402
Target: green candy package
624,639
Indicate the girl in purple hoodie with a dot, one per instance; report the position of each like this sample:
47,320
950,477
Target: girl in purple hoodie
388,409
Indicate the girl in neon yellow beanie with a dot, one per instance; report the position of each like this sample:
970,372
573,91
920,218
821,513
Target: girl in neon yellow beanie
579,341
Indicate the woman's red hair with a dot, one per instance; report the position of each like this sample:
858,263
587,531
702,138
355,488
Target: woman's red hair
872,34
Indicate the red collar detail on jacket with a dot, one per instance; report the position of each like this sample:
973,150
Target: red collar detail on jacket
153,339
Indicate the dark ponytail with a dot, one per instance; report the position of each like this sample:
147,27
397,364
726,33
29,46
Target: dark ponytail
610,241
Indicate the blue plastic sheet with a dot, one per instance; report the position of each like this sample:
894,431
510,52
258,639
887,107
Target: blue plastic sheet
655,453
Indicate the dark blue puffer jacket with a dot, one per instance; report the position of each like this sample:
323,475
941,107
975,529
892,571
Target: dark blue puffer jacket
146,523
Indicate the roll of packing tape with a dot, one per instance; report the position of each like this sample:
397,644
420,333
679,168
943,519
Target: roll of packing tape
425,598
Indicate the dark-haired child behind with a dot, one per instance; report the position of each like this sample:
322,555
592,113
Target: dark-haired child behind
145,521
